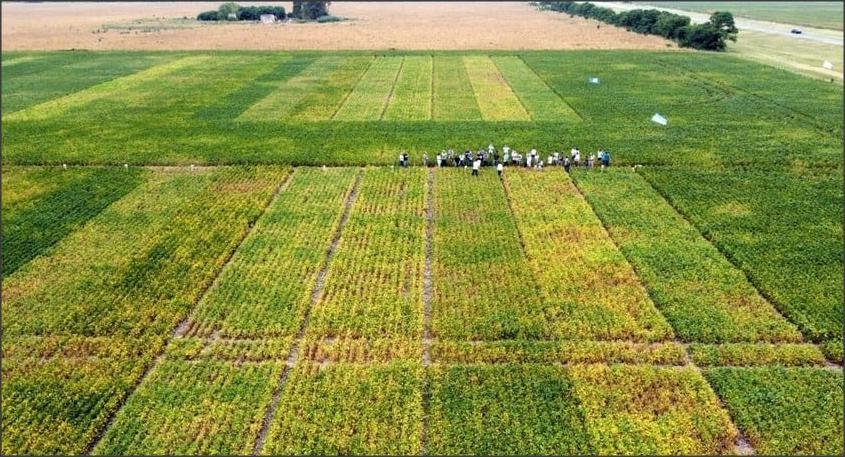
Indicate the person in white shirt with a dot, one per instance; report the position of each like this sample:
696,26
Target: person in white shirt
499,168
476,165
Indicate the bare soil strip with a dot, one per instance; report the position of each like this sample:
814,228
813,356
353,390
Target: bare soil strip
427,293
160,356
316,293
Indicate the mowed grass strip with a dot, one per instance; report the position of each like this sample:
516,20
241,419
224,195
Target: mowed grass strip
784,411
204,407
281,102
453,98
520,409
43,205
783,228
35,78
374,283
59,106
411,99
590,289
493,94
349,409
266,287
704,297
320,105
542,103
370,96
643,410
483,287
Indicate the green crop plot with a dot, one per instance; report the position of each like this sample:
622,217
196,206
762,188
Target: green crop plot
42,205
784,410
538,98
754,354
266,287
702,294
453,99
646,410
368,100
783,228
411,99
495,98
30,79
349,409
504,410
206,407
579,269
287,96
373,287
321,104
483,285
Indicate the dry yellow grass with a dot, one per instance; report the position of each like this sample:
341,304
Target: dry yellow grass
412,25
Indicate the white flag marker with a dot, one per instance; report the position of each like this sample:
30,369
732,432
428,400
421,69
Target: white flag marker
659,119
827,65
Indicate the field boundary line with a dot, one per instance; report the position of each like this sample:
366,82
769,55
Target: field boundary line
431,91
731,260
99,435
352,89
514,92
427,291
316,293
559,95
392,89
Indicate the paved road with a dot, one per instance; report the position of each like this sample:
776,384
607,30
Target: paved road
776,28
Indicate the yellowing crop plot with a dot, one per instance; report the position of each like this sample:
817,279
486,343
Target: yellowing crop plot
495,98
281,102
579,269
369,98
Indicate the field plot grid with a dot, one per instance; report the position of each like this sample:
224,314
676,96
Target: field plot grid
229,264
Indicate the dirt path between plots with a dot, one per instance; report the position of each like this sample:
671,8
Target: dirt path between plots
399,25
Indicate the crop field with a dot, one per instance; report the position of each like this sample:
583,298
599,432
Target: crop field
231,263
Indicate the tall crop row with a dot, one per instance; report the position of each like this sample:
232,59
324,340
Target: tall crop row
370,96
132,272
702,294
483,286
784,229
373,287
349,409
453,96
495,98
282,101
542,103
204,407
411,99
41,206
595,292
266,287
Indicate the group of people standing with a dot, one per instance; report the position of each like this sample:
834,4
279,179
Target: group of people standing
491,157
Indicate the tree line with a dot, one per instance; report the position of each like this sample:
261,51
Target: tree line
305,10
709,36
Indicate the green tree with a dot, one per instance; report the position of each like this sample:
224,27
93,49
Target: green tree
724,23
227,9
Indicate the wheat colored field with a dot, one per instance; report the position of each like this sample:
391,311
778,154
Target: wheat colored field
413,25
